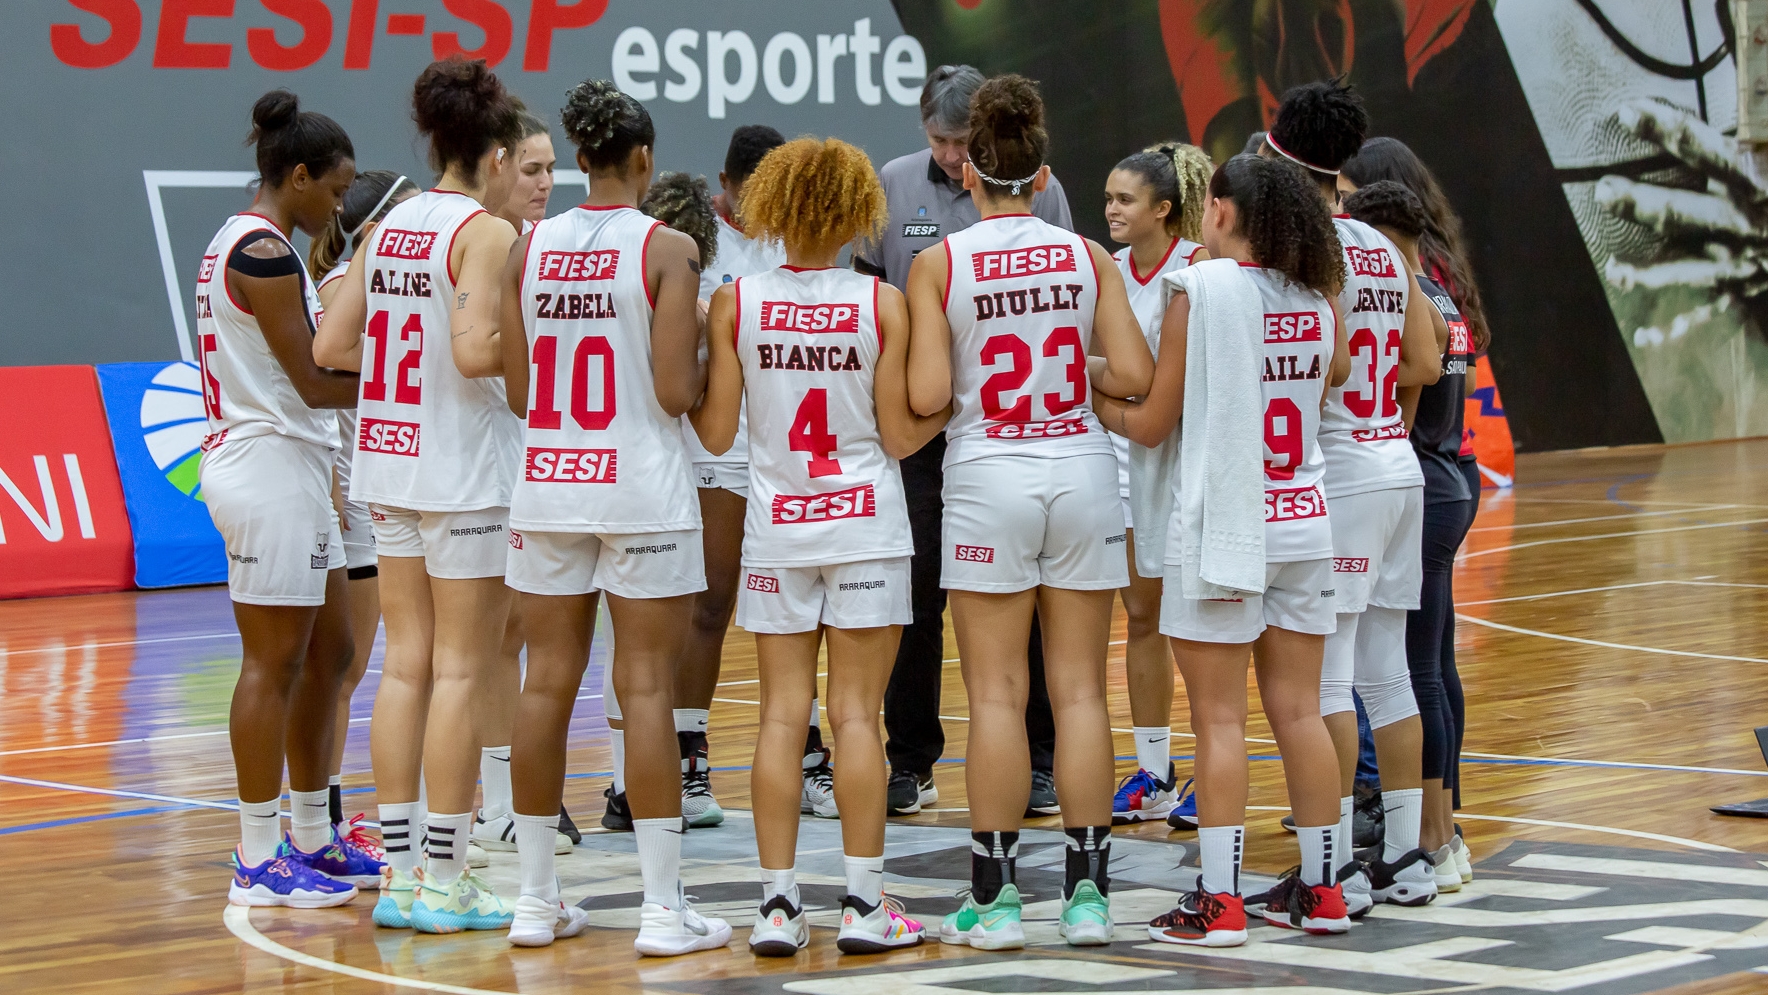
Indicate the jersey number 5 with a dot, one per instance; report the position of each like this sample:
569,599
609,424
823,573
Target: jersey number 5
407,389
810,433
544,412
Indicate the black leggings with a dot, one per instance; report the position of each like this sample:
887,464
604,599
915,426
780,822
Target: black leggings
1430,640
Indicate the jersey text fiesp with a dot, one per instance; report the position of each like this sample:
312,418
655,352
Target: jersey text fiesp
1002,303
395,243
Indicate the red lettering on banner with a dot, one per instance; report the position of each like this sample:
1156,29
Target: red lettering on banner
762,584
572,466
394,438
785,316
488,17
315,20
1038,429
547,16
359,36
171,50
1369,262
1290,504
1350,564
406,244
600,264
973,554
794,509
1293,326
71,47
1379,434
406,25
1032,261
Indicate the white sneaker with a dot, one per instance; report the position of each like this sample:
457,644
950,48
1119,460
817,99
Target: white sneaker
1411,880
499,833
1357,899
780,929
883,927
537,924
476,855
819,793
1463,859
1448,876
667,932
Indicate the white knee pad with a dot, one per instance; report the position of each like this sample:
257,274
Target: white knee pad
1339,667
1382,678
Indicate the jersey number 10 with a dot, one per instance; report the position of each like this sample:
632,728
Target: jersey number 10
544,412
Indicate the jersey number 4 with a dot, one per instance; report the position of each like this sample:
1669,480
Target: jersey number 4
810,433
1383,388
544,411
1015,348
408,379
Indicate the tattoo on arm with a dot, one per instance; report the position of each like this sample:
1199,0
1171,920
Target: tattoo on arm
460,302
694,266
468,331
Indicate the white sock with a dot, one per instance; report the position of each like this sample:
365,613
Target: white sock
780,883
692,720
865,878
420,827
1405,818
1319,853
1154,747
659,859
1347,807
617,739
260,830
494,774
1223,847
816,714
399,833
534,846
310,813
447,848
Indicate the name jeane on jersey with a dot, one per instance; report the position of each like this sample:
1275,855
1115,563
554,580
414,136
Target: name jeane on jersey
1032,260
855,502
786,316
399,283
1372,299
1293,326
811,358
1291,503
380,435
1370,262
405,244
574,306
572,466
596,264
1004,302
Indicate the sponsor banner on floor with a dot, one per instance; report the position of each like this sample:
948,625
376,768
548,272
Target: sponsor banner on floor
63,529
157,427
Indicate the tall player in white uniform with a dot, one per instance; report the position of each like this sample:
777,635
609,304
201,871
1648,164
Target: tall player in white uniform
1004,313
820,353
1376,493
1263,216
607,364
266,479
435,457
1154,206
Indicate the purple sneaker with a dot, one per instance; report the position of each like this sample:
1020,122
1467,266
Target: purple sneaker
338,860
284,881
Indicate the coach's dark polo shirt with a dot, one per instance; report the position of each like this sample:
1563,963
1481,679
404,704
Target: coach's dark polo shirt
926,206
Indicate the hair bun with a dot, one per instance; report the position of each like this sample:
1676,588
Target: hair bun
452,92
592,111
1010,104
274,111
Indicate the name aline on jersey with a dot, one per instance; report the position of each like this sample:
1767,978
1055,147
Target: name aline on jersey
1004,302
1370,262
1291,503
1031,261
572,466
855,502
399,283
787,316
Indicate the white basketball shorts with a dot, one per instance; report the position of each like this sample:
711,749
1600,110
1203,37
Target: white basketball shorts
1376,554
270,498
638,565
733,477
1298,596
455,545
861,595
1013,523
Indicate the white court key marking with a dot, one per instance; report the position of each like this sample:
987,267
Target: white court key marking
1662,869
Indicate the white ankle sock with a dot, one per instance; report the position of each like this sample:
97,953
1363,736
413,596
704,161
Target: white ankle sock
1223,847
617,739
1347,807
691,720
534,846
865,878
447,849
310,818
1154,747
260,830
1405,818
816,714
1319,853
659,859
399,834
780,883
494,774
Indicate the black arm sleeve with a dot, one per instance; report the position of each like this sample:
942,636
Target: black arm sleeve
245,264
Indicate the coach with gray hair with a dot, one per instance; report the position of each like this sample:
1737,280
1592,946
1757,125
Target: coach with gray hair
927,202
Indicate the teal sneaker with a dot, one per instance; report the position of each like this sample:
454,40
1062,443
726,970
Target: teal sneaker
393,909
994,926
467,902
1086,917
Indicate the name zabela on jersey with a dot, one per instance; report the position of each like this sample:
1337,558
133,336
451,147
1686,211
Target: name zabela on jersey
796,509
396,243
598,265
1285,329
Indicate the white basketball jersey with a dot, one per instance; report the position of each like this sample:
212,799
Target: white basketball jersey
1299,337
738,256
821,488
599,453
246,392
1144,288
1361,431
345,457
1019,299
428,439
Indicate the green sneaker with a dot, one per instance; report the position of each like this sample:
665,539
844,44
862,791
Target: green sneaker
994,926
1086,917
467,902
393,909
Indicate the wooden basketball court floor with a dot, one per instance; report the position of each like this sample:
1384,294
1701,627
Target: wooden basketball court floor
1610,643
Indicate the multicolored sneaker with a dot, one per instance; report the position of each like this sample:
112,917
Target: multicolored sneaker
1184,812
1317,909
780,929
1142,797
1203,919
875,929
1086,917
337,860
467,902
286,883
994,926
358,837
398,890
697,804
537,924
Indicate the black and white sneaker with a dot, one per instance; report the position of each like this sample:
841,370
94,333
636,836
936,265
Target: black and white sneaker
818,798
616,816
568,827
780,929
1043,795
698,806
1409,881
909,791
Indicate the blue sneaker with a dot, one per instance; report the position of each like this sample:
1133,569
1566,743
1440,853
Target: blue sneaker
1142,797
337,860
1184,814
287,883
467,902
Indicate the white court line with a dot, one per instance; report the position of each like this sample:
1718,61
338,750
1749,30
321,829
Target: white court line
239,922
1605,645
1610,587
126,742
1636,834
117,793
123,642
1608,535
1603,518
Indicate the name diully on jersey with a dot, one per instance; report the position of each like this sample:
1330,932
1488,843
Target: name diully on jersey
1002,303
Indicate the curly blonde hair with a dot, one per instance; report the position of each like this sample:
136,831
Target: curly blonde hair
812,192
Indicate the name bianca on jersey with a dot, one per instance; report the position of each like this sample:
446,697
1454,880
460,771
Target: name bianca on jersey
797,509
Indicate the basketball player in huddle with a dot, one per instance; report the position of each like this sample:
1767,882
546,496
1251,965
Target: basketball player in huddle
1154,206
266,479
1004,313
434,461
601,360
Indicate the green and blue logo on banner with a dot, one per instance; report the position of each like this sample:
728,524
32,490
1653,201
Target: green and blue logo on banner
157,426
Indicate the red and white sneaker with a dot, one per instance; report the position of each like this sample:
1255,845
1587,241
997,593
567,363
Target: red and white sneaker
1318,909
1203,919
